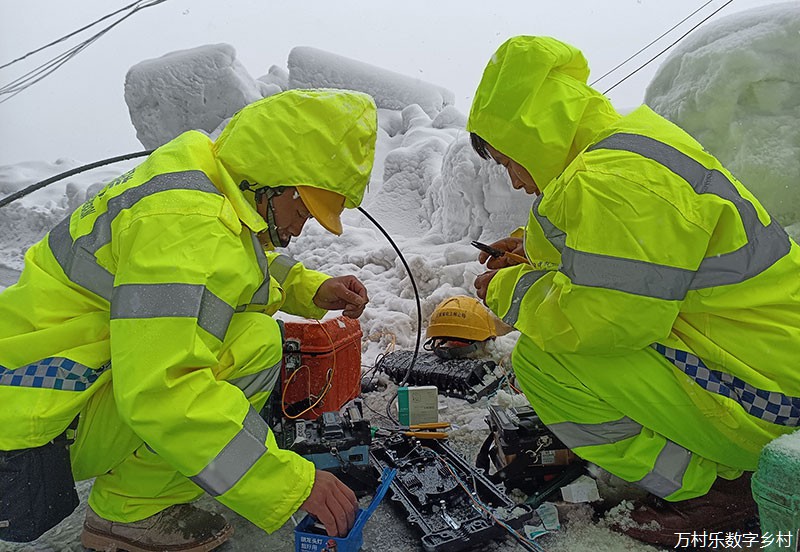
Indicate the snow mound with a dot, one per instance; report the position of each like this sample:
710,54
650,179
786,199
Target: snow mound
735,87
313,68
188,89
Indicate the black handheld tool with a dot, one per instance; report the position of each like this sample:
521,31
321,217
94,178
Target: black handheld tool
497,253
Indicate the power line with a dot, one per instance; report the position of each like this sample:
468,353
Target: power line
63,38
649,61
47,68
665,33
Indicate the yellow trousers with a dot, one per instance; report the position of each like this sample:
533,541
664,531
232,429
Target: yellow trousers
632,414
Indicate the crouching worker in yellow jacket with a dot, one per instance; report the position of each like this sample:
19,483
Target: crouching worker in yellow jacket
146,315
660,311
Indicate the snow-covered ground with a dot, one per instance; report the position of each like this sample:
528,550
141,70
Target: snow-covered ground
734,84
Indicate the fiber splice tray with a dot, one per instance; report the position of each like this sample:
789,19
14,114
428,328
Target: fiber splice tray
318,355
305,540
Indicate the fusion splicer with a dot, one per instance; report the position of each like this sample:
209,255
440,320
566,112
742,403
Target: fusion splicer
332,441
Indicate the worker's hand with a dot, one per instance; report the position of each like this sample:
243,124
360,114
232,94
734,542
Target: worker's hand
345,293
332,503
512,245
482,284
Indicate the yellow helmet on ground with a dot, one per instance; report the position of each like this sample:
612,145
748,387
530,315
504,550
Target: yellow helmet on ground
458,325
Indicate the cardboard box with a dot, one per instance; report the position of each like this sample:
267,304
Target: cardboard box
307,541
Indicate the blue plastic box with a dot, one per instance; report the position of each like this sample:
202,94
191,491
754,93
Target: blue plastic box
306,541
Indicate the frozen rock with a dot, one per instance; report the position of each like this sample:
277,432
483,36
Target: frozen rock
313,68
186,90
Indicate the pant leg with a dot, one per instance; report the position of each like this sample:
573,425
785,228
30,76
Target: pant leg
132,482
640,418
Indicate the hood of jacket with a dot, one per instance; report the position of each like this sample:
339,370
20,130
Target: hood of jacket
533,105
320,138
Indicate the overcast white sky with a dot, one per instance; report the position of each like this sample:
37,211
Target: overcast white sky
446,42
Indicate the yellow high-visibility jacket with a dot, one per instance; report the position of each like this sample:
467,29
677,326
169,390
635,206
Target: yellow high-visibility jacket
139,284
639,238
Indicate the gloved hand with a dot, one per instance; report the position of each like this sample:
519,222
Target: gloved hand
345,293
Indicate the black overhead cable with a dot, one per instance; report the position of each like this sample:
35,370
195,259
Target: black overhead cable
73,33
77,170
649,61
665,33
32,77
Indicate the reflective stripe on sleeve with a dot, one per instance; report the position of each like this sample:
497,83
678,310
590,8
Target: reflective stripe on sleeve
258,382
172,300
280,267
666,477
236,458
586,435
523,284
554,235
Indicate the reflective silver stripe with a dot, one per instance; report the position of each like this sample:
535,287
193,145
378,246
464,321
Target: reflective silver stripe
628,275
586,435
79,265
235,460
667,474
554,235
523,284
77,258
172,300
765,245
280,267
261,296
258,382
665,478
52,373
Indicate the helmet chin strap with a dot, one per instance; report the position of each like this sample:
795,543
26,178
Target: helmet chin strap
272,227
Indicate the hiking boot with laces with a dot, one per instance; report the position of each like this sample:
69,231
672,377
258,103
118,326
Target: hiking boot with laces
728,506
181,527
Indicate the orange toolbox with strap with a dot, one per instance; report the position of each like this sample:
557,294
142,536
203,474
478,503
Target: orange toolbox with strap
321,368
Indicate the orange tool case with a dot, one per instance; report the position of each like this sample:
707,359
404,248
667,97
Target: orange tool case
321,368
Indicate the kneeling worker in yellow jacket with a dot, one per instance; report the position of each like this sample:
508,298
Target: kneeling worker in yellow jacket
146,314
660,311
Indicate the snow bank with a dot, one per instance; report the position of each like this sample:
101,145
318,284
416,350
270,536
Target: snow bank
201,88
188,89
735,86
313,68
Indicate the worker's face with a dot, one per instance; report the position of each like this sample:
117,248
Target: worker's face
290,213
521,179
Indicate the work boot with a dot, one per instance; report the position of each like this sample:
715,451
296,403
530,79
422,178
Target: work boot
181,527
728,506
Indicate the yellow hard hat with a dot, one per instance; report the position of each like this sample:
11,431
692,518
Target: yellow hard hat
462,317
324,205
